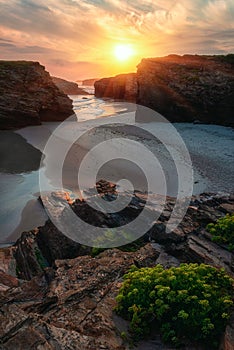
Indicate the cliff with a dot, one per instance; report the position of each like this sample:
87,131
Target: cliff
89,82
69,297
121,87
68,87
182,88
29,96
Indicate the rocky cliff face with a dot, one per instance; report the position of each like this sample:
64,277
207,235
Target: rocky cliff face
29,96
121,87
182,88
188,88
68,87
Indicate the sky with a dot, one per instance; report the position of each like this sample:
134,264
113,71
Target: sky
75,39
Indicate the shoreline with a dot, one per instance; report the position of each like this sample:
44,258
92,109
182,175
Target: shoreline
217,140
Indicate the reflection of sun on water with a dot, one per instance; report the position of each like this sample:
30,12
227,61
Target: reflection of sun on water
123,52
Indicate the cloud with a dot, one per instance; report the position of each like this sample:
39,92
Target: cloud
85,30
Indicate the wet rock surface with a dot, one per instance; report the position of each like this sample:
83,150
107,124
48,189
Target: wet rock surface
29,96
68,300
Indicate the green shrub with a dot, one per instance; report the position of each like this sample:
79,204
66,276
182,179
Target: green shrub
223,231
191,302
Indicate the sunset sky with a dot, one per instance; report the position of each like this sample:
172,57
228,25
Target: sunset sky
76,39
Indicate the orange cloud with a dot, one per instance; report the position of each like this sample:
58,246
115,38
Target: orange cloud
78,35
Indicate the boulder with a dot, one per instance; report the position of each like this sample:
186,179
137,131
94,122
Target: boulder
28,96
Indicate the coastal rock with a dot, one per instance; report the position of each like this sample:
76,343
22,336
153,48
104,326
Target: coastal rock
120,87
68,87
228,339
8,276
28,96
72,307
68,302
190,242
89,82
189,88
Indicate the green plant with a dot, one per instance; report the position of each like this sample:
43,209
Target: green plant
223,231
189,302
123,335
114,237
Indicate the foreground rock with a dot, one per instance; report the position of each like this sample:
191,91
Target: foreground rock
190,242
68,87
69,299
71,307
28,96
182,88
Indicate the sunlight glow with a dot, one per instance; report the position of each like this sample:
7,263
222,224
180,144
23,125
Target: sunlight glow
123,52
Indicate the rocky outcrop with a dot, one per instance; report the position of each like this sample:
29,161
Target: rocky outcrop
68,87
68,303
89,82
28,96
8,275
190,242
70,307
188,88
121,87
182,88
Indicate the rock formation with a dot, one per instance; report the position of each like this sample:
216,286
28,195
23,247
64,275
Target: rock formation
182,88
121,87
68,87
69,297
71,306
29,96
89,82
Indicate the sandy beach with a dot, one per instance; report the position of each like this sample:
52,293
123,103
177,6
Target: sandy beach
210,148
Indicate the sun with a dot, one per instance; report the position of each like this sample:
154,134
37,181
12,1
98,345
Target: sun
123,52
